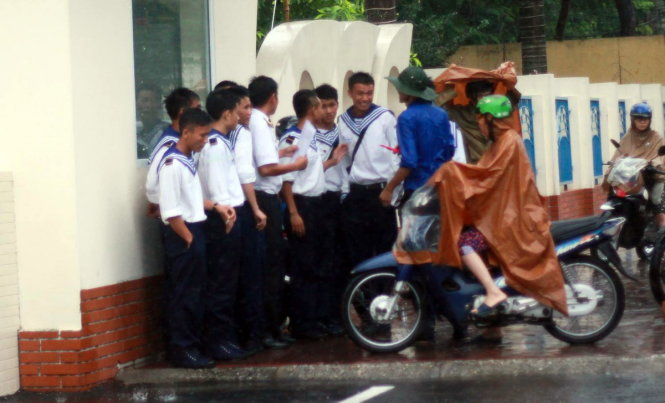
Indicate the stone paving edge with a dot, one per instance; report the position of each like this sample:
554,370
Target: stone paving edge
403,371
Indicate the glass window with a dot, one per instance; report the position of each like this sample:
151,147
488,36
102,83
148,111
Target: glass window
170,50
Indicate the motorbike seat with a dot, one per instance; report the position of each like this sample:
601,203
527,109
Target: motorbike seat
566,229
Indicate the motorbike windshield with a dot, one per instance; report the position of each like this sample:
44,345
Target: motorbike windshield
420,222
625,173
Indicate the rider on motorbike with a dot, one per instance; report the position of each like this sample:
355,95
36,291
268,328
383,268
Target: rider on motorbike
643,142
495,206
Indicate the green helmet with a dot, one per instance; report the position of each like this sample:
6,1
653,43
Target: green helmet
498,106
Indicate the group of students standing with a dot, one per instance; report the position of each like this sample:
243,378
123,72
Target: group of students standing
227,190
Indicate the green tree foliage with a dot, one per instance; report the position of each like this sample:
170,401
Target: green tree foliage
341,10
440,27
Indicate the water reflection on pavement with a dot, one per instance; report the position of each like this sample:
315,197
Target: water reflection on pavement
639,333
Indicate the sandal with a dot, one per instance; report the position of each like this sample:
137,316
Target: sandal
484,311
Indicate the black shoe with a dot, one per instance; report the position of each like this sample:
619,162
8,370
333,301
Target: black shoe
285,338
461,335
226,351
375,329
190,358
427,335
309,333
271,342
253,348
335,329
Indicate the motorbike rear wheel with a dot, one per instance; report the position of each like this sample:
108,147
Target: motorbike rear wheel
368,318
657,272
596,301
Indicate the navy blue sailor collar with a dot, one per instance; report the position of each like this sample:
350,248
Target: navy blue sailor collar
168,138
328,137
174,154
358,125
215,136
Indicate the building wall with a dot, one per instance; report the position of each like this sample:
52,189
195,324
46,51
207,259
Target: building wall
9,308
623,60
69,141
38,136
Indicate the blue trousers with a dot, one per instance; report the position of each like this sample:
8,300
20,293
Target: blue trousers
233,287
185,272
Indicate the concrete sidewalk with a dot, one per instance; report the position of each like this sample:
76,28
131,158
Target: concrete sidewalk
636,346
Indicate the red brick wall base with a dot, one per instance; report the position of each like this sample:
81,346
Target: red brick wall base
120,325
575,203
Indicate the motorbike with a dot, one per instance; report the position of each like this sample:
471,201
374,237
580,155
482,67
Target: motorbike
629,178
384,304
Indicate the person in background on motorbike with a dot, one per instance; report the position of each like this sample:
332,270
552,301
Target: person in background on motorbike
494,207
643,142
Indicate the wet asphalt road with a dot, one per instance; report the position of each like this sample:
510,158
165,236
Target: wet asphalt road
650,388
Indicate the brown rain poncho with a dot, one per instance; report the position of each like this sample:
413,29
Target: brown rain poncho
498,196
451,85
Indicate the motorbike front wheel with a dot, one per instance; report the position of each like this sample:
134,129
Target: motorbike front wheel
377,317
596,300
657,272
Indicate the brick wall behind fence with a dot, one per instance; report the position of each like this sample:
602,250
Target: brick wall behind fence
120,325
575,203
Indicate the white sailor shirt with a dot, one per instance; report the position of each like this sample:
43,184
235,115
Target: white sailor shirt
373,163
311,180
219,178
179,188
264,149
336,176
168,139
241,144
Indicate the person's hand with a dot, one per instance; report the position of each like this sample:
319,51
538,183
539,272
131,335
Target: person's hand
228,214
297,225
288,151
228,225
153,210
386,197
189,239
300,163
339,153
261,219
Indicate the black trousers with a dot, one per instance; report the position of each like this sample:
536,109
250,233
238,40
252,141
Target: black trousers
369,228
306,292
233,293
336,271
271,254
185,272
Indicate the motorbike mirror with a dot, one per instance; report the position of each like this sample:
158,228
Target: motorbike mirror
661,151
615,144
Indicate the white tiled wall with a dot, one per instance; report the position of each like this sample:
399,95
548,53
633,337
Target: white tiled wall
9,308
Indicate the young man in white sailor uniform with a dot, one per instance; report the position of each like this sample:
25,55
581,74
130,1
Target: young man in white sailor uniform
302,192
182,210
263,95
334,270
369,131
176,103
231,239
